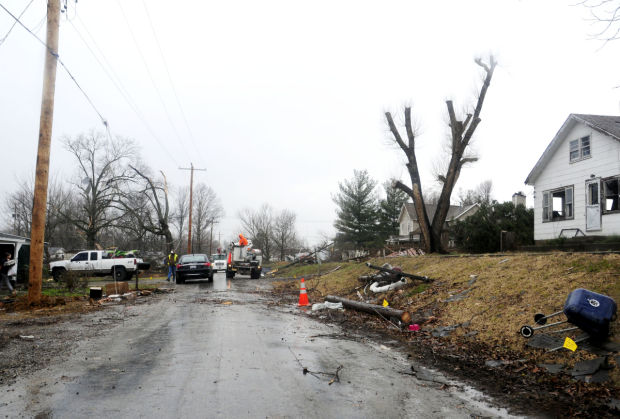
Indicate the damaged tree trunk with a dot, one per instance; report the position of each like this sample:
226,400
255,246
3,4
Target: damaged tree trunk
399,274
401,315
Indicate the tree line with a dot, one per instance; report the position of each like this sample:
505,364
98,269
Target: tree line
113,199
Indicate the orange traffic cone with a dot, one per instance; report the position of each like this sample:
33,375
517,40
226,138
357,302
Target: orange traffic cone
303,295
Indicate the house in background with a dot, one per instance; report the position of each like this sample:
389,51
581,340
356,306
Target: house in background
409,230
576,180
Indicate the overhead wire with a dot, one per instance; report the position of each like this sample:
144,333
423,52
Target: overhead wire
103,120
176,96
15,23
118,84
148,71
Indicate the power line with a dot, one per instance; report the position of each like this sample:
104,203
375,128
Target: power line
103,120
148,71
161,53
118,84
15,23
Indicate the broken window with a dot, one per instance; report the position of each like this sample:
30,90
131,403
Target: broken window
579,149
558,204
610,192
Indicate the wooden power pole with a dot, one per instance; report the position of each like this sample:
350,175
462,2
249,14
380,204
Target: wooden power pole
191,195
37,235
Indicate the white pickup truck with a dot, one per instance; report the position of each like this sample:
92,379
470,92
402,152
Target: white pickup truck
98,263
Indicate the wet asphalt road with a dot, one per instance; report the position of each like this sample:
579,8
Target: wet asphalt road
223,349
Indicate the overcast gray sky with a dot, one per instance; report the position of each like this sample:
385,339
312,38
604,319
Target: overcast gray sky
284,99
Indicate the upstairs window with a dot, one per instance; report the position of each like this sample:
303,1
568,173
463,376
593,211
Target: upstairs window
579,149
558,204
611,194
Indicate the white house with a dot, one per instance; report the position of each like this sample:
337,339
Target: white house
409,228
576,179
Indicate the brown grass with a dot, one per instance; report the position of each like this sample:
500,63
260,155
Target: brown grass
506,294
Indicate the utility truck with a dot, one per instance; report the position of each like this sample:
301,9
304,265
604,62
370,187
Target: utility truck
245,260
121,265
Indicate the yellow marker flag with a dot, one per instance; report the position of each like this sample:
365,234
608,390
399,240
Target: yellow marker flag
570,344
385,303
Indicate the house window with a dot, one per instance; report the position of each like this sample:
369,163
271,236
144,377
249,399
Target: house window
610,194
579,149
558,204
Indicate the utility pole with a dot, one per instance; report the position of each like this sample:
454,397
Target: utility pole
37,234
191,193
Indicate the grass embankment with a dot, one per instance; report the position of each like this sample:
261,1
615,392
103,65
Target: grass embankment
501,294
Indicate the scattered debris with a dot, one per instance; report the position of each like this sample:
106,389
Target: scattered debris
503,261
388,312
328,305
335,377
394,285
589,367
552,368
29,337
398,274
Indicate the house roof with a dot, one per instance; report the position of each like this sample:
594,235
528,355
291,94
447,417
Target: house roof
454,213
605,124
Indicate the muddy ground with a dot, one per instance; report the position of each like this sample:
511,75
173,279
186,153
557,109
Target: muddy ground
32,339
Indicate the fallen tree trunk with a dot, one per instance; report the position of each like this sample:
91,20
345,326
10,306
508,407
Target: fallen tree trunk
399,274
401,315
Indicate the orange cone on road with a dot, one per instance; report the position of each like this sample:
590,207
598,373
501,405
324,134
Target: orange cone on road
303,295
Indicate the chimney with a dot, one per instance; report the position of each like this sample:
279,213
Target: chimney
518,199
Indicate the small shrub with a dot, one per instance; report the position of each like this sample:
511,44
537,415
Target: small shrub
74,280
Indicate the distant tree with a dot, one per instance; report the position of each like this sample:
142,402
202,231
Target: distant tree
357,214
462,129
180,215
147,206
18,208
481,195
102,164
480,233
258,226
283,232
207,211
389,210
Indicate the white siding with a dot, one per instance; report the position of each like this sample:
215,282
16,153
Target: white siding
559,172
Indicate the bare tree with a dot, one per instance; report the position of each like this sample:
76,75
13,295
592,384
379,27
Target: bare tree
461,134
207,210
19,207
481,194
102,166
284,234
258,225
484,191
148,206
181,213
606,13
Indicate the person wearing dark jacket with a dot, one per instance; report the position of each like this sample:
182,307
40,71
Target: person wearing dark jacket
6,262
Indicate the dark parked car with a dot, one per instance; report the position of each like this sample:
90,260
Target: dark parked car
194,266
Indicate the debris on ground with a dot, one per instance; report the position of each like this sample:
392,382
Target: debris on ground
327,305
385,312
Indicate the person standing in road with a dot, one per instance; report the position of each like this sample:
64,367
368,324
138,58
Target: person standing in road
171,261
6,263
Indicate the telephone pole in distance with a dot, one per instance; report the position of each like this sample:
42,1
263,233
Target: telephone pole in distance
191,193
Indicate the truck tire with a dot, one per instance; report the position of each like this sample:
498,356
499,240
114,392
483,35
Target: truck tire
210,277
119,273
58,274
230,274
255,274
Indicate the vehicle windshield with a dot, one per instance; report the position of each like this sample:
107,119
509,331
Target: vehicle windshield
221,256
193,259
